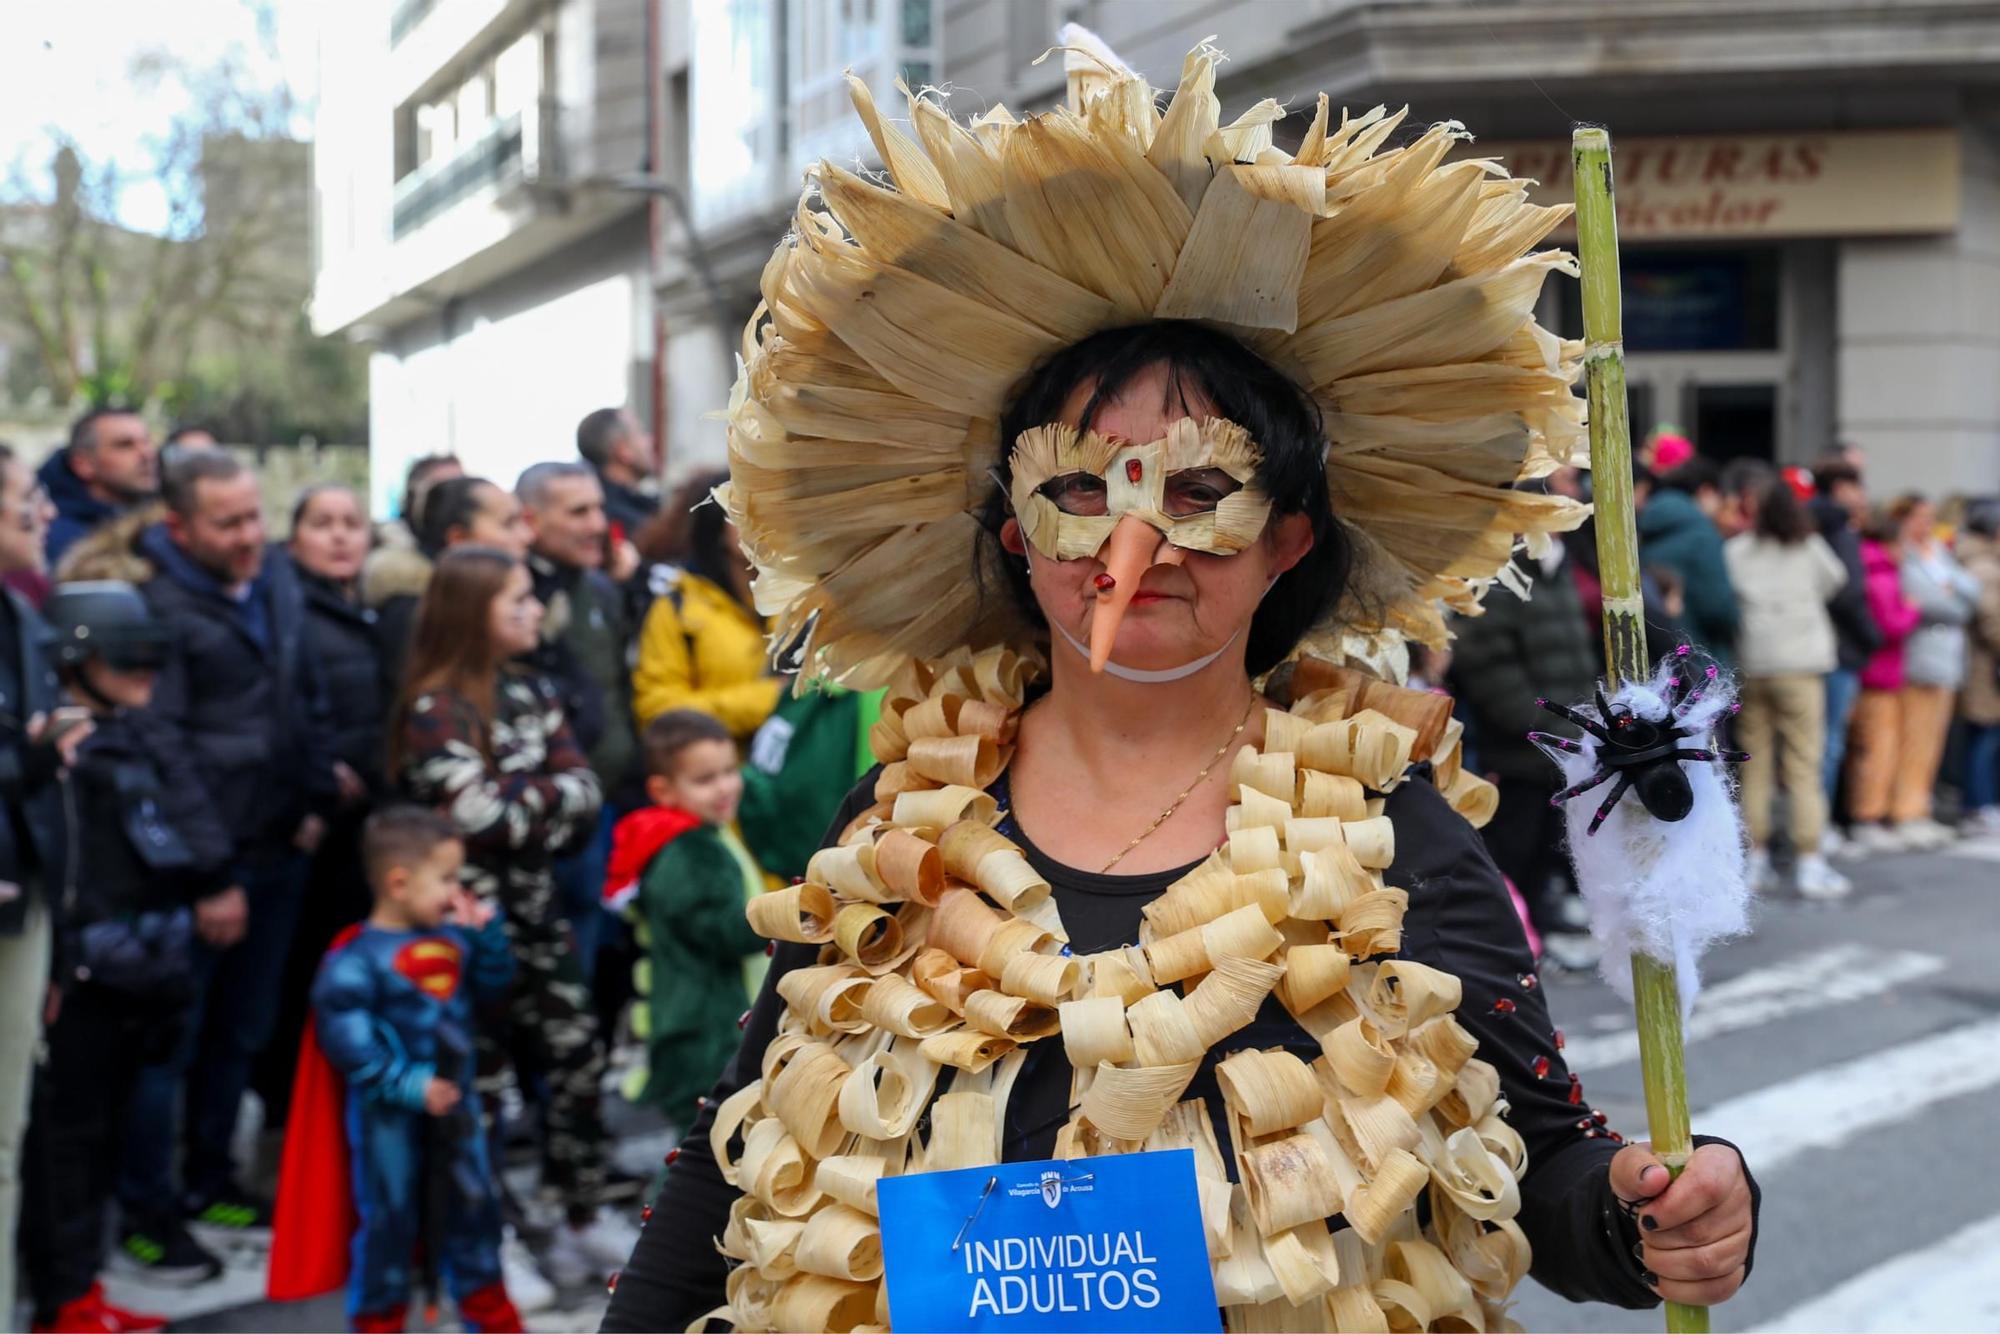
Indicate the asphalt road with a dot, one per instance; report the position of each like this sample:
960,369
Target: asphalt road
1852,1049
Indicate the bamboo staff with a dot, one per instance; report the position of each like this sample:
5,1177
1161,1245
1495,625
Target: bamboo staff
1655,995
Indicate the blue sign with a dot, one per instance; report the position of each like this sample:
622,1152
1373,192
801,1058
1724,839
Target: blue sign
1109,1243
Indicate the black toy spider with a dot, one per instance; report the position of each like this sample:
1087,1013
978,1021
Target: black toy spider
1641,753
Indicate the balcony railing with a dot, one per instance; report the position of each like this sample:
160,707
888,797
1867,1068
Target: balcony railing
522,147
495,156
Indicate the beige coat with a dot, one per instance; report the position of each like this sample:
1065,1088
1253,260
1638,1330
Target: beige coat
1782,590
1980,700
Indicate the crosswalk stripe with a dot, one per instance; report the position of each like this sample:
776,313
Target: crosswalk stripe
1984,850
1772,992
1950,1284
1838,1102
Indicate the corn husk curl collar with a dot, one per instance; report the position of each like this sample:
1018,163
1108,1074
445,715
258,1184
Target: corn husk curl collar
898,318
942,958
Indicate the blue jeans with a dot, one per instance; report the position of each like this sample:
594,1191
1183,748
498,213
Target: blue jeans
580,886
235,1006
1982,766
1843,687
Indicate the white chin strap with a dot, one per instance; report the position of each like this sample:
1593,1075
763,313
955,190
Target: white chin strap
1143,676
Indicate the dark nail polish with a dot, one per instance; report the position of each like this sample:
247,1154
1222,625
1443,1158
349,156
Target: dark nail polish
1649,1278
1650,1223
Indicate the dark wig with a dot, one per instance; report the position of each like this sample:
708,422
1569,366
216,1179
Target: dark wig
1203,365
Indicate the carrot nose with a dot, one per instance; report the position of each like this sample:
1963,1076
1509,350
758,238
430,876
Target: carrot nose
1134,547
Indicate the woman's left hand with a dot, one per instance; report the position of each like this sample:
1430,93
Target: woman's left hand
1695,1228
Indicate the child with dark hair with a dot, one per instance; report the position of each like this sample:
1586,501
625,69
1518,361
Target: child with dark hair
393,1012
682,873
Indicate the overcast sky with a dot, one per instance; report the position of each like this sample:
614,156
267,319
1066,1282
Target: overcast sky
64,64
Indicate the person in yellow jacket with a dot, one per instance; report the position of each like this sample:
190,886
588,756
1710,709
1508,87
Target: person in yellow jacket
701,645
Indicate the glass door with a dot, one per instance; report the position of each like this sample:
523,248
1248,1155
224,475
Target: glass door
1703,346
1729,403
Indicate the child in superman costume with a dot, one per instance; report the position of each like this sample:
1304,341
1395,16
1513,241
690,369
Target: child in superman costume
385,1084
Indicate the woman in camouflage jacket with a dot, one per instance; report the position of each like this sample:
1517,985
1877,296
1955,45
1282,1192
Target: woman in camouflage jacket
485,742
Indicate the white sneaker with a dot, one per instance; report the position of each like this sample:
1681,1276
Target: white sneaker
1572,913
1571,951
1983,822
526,1287
1763,880
1924,835
1833,844
1869,839
1817,880
601,1247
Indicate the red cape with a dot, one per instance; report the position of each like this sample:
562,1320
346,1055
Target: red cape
635,841
314,1218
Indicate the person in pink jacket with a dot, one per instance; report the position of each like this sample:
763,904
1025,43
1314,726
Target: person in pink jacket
1877,729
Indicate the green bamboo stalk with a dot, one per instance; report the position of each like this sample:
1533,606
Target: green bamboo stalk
1655,994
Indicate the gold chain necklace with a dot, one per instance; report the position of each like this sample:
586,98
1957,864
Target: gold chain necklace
1188,791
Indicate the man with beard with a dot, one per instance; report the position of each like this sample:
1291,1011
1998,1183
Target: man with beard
110,465
247,720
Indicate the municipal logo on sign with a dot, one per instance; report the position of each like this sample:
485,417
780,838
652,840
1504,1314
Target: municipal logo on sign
1052,1189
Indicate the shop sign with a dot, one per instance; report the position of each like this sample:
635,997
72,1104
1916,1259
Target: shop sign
1695,187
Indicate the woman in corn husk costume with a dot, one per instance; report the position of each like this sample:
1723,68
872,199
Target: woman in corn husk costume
1127,450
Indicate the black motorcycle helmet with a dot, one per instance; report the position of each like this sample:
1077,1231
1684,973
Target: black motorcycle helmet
105,619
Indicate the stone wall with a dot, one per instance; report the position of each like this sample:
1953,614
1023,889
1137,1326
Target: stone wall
1919,342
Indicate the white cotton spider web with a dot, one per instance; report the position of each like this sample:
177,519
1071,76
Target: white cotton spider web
1665,890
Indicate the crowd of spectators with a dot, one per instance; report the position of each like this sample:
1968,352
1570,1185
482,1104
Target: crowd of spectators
1864,634
203,715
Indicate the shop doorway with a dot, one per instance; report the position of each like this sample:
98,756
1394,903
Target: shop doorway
1730,404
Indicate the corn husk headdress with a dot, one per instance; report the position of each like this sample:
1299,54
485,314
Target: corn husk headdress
898,317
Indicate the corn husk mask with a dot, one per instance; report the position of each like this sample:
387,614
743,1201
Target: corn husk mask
901,316
1079,494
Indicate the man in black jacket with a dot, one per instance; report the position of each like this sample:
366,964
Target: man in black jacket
35,832
587,652
109,465
1518,650
247,720
1838,505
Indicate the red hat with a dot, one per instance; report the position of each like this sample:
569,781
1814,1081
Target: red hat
1671,451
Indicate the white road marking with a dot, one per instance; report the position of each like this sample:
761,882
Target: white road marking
1767,994
1836,1103
1984,848
1952,1284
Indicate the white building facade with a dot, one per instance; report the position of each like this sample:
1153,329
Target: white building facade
1810,190
477,220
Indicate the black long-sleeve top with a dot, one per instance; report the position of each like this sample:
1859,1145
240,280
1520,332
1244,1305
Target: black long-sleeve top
1460,920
